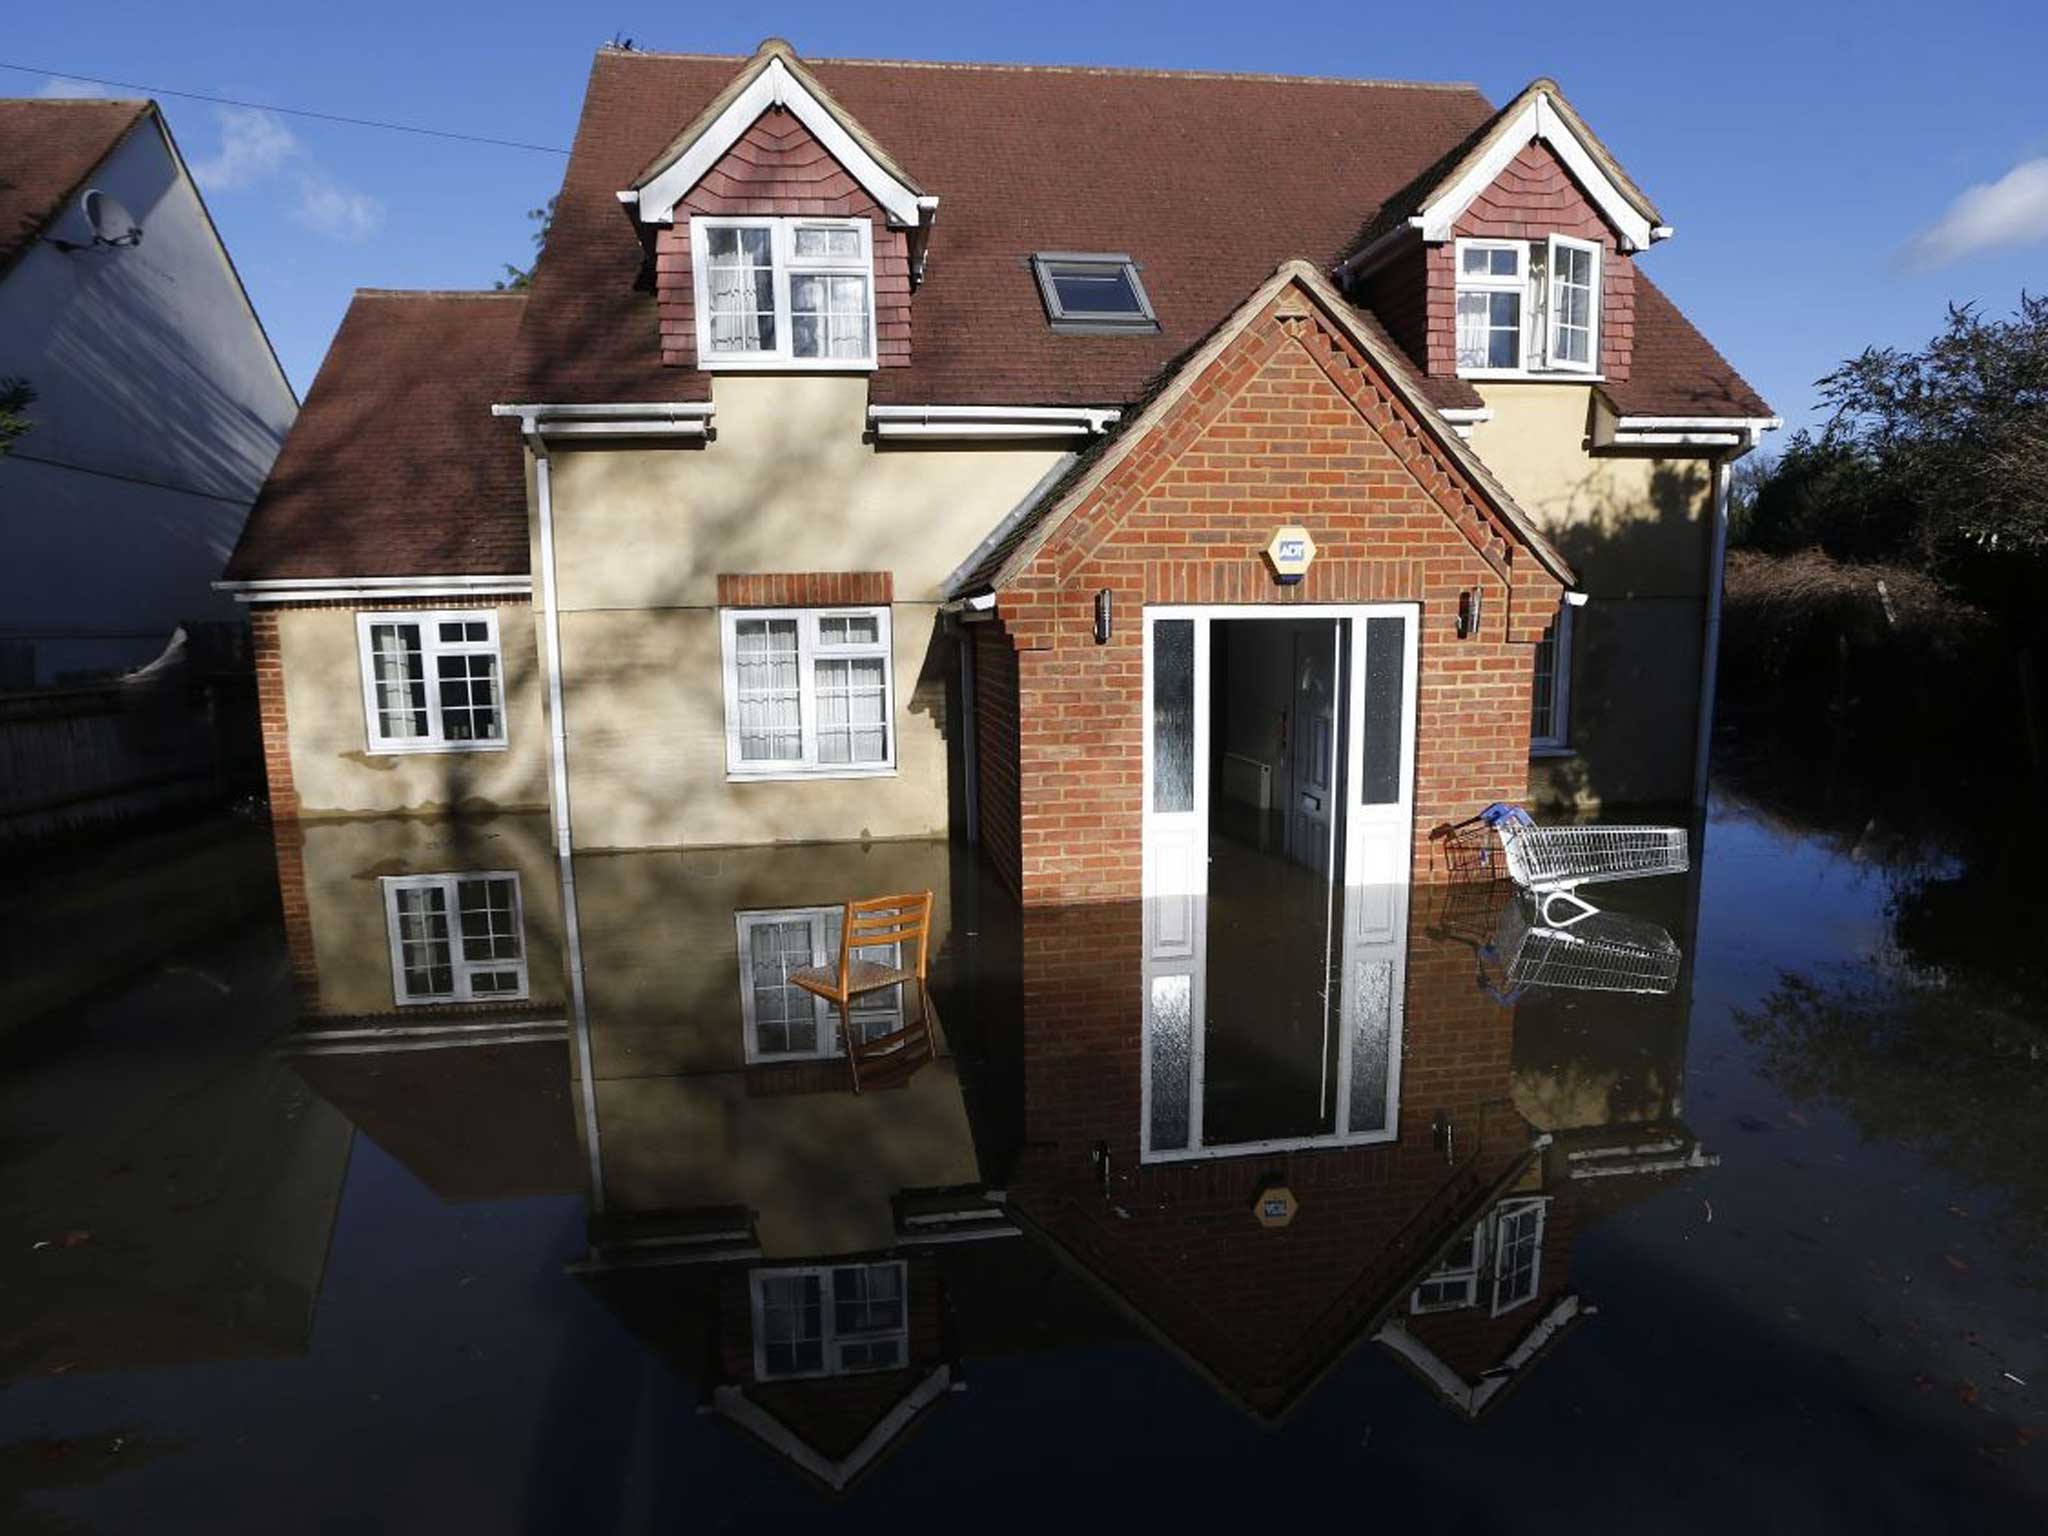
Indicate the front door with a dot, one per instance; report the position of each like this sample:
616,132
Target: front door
1350,698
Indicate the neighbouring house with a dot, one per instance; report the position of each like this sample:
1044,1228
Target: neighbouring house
159,404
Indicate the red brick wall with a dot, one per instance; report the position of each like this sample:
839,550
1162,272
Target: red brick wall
1264,1310
777,168
806,589
1288,424
995,752
1533,198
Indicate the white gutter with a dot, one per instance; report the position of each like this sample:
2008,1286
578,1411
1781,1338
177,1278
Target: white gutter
558,784
1743,432
962,423
658,418
303,589
1711,659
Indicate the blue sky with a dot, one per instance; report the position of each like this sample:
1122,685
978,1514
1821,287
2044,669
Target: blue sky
1836,171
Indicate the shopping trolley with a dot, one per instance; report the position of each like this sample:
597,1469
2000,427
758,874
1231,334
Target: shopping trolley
1551,863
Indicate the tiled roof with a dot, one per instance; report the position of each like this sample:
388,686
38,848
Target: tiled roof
1209,181
395,466
47,150
1675,370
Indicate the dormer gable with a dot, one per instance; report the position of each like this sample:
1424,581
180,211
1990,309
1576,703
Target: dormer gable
1514,256
784,235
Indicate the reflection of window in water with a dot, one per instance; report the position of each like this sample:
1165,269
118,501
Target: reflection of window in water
455,938
1505,1249
784,1022
829,1321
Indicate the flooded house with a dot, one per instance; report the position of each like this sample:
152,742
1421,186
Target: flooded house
1142,559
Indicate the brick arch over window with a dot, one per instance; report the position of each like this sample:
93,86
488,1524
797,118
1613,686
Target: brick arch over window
1289,422
1533,198
777,168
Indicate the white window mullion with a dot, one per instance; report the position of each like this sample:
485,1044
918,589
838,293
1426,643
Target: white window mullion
807,686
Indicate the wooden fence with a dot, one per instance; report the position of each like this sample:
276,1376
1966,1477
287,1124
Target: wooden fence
179,734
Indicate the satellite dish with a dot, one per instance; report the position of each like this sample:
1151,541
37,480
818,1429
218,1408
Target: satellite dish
112,224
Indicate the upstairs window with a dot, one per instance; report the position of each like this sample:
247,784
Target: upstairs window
431,681
784,293
1493,282
1093,292
1528,306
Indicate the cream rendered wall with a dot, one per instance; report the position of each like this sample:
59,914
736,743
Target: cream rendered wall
1637,529
345,860
335,772
788,484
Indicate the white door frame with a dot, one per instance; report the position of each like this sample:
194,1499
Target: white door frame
1378,852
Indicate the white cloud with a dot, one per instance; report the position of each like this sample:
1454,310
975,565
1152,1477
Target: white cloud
2012,210
334,210
62,88
256,149
254,146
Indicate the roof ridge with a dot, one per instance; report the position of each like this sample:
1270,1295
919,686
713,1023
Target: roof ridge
440,293
1131,71
77,101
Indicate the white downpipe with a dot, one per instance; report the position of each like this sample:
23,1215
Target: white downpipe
1711,661
558,783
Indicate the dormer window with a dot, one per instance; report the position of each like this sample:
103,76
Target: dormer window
784,293
1528,307
1093,292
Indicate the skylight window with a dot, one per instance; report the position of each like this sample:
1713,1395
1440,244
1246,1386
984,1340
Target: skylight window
1093,292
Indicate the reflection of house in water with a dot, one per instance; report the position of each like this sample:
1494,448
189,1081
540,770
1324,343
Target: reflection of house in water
780,1236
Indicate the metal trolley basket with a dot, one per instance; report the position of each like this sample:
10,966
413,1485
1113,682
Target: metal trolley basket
1551,863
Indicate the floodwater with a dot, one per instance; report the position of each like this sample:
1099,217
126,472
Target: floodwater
1757,1245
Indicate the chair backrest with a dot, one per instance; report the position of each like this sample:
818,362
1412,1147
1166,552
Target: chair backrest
887,920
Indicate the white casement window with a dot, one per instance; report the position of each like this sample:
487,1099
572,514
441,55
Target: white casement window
809,692
784,293
1503,1252
1550,692
1493,289
432,682
1455,1282
1573,303
786,1023
1527,307
1517,1252
455,938
830,1321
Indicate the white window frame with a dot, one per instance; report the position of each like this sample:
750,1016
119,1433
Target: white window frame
1538,324
1503,1301
1517,284
1460,1267
782,248
832,1354
1044,265
809,652
450,884
1557,740
1552,313
874,1014
431,646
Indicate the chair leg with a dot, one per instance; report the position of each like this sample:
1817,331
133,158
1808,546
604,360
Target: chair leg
846,1035
924,1012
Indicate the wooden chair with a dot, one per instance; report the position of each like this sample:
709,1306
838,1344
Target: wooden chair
871,924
